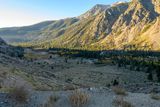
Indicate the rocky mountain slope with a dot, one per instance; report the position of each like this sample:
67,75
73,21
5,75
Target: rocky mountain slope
133,25
2,42
10,50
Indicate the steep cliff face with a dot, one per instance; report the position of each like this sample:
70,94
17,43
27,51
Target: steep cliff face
136,20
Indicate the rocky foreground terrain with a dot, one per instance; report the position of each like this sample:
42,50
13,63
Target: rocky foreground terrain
97,98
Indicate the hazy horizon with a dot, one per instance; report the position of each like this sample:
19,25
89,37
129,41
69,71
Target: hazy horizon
27,12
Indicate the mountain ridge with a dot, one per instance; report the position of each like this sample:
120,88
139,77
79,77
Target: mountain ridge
121,25
97,9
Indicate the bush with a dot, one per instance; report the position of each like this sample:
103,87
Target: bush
119,91
78,99
51,101
115,83
150,77
20,94
155,96
69,87
120,102
3,74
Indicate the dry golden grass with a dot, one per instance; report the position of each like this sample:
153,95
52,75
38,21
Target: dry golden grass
120,102
155,96
35,56
20,94
78,98
119,91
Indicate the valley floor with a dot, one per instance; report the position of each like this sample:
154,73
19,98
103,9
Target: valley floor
56,75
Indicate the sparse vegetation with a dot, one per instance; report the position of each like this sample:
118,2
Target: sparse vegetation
78,98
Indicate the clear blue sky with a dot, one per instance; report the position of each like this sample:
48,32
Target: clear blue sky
26,12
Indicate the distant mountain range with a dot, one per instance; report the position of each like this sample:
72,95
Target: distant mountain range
131,25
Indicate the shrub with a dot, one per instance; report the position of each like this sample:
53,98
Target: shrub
155,96
119,91
150,77
115,83
20,94
78,99
3,74
51,101
69,87
120,102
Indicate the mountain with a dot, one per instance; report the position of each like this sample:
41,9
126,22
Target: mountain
124,25
38,31
18,34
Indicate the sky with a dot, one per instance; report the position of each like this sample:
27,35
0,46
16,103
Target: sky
28,12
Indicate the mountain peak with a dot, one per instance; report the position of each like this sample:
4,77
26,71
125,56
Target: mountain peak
102,6
118,3
98,8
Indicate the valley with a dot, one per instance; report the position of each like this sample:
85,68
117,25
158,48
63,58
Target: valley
107,57
50,72
55,72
